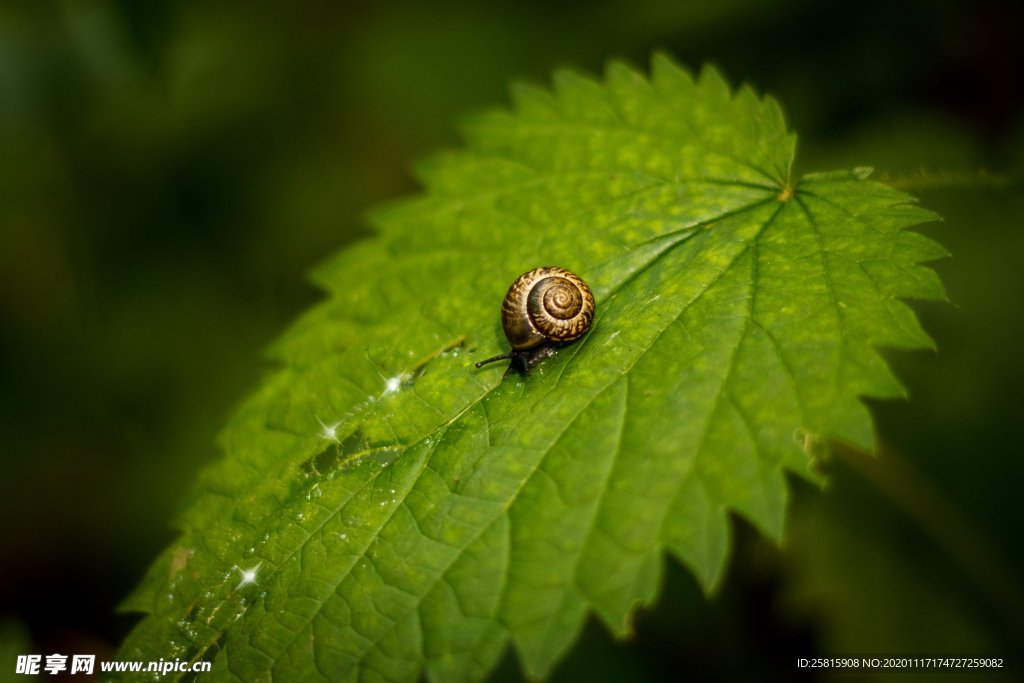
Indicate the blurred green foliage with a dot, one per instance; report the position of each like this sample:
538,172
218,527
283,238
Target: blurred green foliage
169,172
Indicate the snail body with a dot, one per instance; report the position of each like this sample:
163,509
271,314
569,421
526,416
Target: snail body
543,309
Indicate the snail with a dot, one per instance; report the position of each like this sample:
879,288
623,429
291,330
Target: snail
543,309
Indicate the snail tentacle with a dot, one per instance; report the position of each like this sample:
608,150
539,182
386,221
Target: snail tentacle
503,356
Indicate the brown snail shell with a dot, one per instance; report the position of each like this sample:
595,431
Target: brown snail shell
544,307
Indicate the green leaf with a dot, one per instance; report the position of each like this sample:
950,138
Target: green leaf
399,511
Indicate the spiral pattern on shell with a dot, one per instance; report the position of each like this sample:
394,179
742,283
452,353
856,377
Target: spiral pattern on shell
546,304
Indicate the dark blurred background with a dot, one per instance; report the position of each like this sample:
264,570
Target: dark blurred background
169,171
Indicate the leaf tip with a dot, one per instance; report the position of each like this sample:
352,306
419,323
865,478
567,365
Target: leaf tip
622,71
528,97
665,69
711,78
565,78
661,60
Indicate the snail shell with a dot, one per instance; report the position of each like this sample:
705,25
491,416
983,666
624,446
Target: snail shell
544,308
546,304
